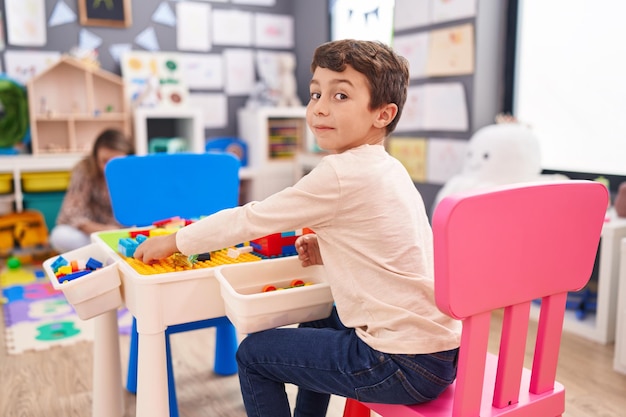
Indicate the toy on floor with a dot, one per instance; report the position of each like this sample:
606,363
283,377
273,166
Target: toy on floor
24,235
14,274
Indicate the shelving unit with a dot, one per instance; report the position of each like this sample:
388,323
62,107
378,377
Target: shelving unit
275,136
184,123
20,164
600,327
70,103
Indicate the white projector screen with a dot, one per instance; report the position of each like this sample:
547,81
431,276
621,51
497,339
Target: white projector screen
570,82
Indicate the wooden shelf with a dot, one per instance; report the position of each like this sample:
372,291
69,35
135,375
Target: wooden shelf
70,103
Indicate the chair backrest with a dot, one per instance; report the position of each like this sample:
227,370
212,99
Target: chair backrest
154,187
502,249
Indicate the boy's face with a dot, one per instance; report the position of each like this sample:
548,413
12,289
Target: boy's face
338,112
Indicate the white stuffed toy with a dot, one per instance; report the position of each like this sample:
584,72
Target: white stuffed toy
500,154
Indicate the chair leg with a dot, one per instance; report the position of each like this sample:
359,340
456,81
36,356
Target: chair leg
353,408
226,344
131,378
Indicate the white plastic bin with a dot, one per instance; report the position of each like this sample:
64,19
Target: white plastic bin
252,310
94,293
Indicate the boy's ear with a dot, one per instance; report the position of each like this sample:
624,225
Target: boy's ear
386,114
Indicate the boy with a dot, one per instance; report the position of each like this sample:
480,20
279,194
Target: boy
385,340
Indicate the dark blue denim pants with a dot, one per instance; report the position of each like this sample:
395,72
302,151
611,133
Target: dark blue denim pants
324,357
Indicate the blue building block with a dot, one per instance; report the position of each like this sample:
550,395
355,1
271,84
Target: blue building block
59,262
93,264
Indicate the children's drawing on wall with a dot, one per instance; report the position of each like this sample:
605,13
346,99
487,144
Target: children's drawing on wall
154,79
192,31
362,19
21,66
451,51
273,31
147,39
436,107
26,22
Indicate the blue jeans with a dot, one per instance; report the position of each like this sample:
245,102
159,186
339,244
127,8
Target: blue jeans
324,357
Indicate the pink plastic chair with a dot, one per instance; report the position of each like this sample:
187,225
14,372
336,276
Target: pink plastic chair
503,249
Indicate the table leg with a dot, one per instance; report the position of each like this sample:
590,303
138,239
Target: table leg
107,369
152,397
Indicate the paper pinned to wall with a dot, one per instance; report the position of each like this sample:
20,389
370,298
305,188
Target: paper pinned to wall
412,117
435,107
411,14
192,30
445,159
446,10
21,66
411,152
154,79
451,51
203,71
214,108
414,48
223,23
256,2
446,108
239,66
26,22
273,31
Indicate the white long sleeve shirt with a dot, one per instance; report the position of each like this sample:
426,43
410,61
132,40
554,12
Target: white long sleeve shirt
374,238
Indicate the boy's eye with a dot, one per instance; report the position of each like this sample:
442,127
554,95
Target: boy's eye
315,96
341,96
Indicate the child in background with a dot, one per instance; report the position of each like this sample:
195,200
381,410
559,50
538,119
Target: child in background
86,206
385,340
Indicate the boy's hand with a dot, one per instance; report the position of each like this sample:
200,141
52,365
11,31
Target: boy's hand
155,248
308,250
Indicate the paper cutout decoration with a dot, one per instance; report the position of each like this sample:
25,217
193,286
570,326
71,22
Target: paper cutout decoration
61,14
118,49
88,40
147,39
164,15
